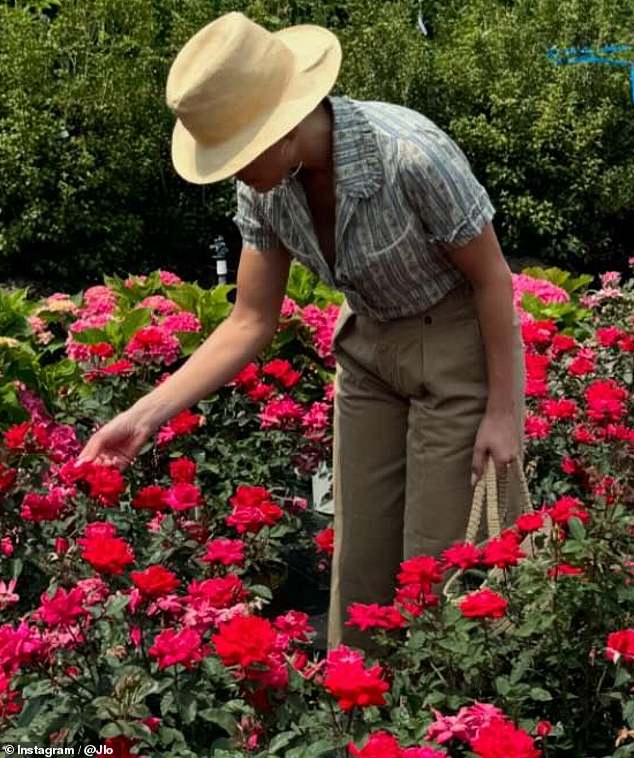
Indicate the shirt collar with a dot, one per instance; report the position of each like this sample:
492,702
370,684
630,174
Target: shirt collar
356,159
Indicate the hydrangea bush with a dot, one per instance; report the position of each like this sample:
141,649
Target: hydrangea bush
135,608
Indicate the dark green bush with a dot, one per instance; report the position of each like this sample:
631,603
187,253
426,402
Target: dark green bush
87,184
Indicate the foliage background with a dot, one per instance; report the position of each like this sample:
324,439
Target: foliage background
87,184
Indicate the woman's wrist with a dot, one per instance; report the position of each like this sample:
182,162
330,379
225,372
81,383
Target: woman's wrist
151,411
500,408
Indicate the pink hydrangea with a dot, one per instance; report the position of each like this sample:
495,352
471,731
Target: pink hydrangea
42,335
77,351
610,278
98,300
160,304
321,323
153,344
168,278
546,291
133,281
182,322
289,307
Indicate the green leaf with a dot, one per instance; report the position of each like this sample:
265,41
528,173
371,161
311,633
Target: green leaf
502,685
37,689
31,710
167,703
91,336
189,707
116,604
280,741
221,718
189,341
16,568
136,319
577,529
537,693
314,750
628,712
622,677
106,708
262,591
113,729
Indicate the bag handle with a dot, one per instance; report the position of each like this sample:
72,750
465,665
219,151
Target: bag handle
487,489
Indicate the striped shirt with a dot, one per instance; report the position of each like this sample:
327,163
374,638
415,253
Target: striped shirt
403,188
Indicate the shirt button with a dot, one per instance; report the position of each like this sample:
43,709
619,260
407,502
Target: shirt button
428,319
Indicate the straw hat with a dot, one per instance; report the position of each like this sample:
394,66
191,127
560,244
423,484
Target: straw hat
237,88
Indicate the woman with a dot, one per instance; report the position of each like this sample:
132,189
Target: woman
379,202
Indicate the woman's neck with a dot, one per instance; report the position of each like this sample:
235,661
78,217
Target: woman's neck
315,140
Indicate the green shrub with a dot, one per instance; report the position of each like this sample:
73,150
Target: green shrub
85,135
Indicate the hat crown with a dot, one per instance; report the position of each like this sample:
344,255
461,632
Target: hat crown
227,74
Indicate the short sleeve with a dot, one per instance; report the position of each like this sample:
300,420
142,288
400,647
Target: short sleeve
251,221
454,207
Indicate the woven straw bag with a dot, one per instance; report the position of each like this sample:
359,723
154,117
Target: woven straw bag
492,492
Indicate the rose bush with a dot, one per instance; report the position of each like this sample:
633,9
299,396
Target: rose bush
135,608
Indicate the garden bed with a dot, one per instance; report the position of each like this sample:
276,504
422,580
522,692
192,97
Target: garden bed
166,611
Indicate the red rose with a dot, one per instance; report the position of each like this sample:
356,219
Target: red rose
151,498
422,570
325,541
245,640
620,645
379,745
247,377
568,507
253,509
462,555
282,371
501,739
606,400
221,592
543,728
108,555
502,551
530,522
483,604
225,551
563,569
171,647
559,409
374,616
183,496
155,581
106,484
353,685
182,470
7,478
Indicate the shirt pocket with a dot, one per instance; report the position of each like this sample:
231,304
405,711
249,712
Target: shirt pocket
389,273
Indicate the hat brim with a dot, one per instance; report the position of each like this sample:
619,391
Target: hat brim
318,55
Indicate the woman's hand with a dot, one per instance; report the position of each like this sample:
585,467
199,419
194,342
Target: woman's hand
118,442
497,437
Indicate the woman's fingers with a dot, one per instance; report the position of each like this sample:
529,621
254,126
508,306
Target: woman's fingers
91,449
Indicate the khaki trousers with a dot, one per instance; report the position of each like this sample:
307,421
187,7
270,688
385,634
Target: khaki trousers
409,397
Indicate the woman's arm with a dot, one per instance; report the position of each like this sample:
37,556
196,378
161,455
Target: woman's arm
482,263
261,283
262,277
